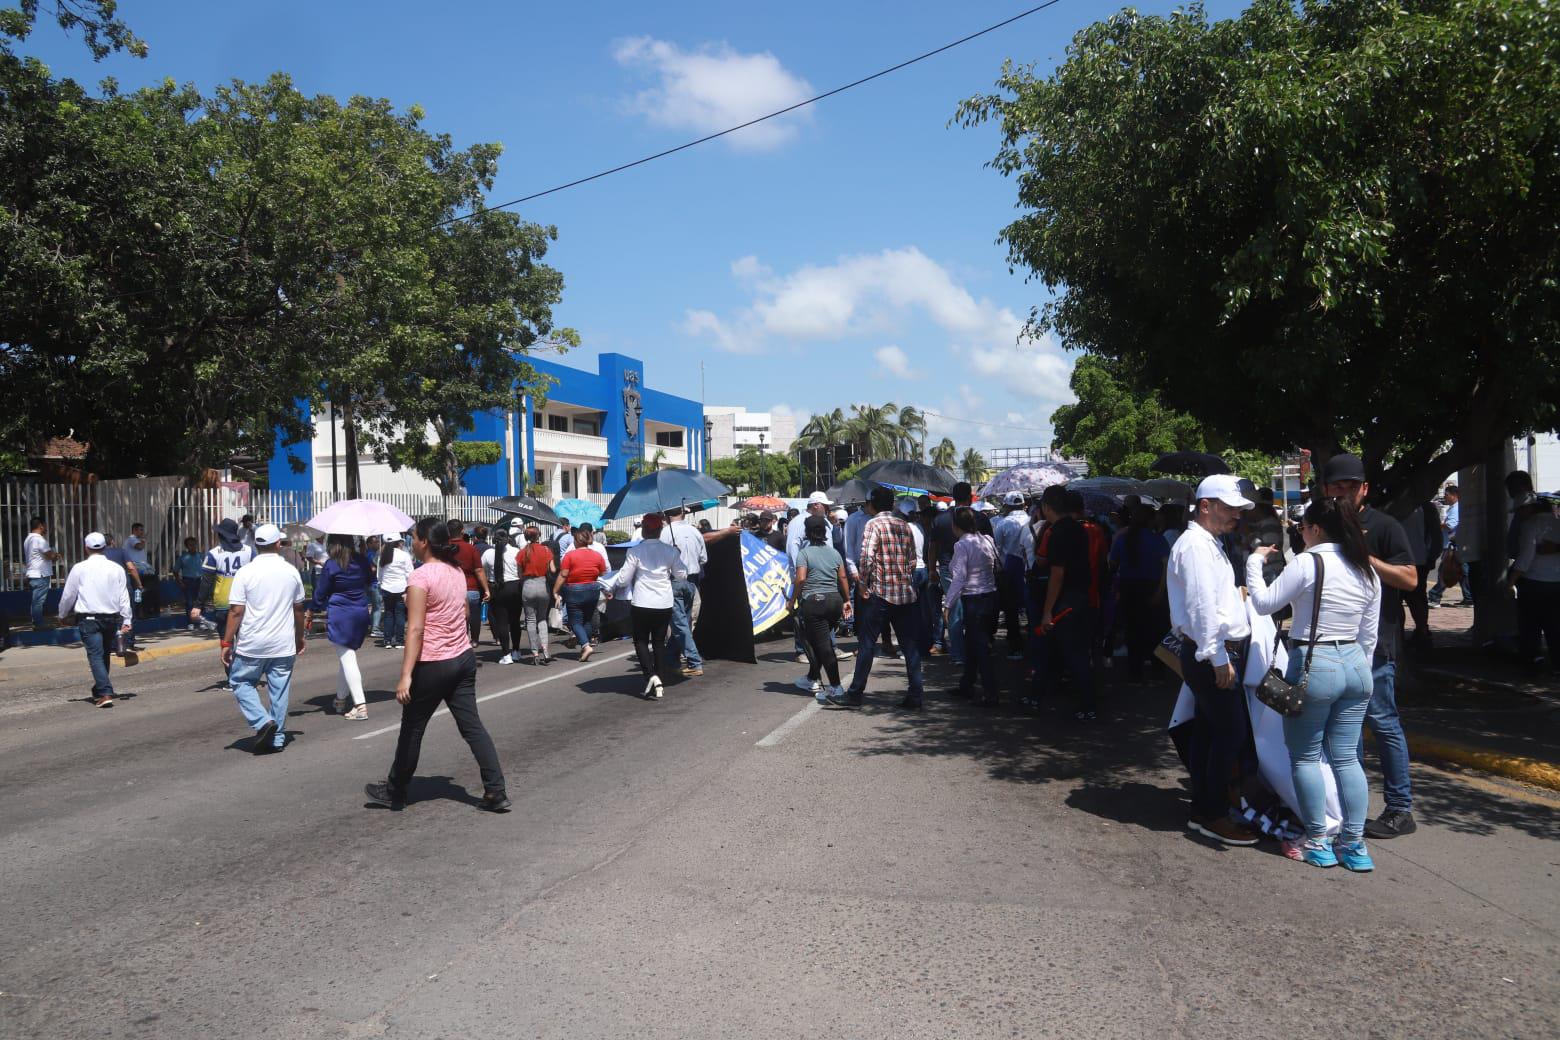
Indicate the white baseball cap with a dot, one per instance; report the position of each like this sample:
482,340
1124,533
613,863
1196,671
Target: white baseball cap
982,506
818,497
839,514
268,534
95,540
1013,498
1226,488
390,537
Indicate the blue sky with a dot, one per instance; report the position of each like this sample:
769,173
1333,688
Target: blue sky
844,254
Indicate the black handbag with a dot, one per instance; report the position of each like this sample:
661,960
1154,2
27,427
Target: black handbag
1274,690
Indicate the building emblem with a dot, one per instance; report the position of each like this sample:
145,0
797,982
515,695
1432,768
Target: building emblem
632,407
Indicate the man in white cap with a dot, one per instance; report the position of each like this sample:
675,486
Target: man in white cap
264,637
1015,543
95,591
1206,611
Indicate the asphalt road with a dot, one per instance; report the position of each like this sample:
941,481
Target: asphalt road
865,874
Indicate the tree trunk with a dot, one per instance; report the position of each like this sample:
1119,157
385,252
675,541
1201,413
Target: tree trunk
1494,612
349,443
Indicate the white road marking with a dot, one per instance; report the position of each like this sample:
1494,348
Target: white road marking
593,662
786,728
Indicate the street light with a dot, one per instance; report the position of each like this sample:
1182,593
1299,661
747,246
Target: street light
763,484
709,437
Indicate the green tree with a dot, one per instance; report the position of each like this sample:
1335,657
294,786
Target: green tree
1315,223
100,30
912,432
945,455
876,429
743,471
972,466
1114,430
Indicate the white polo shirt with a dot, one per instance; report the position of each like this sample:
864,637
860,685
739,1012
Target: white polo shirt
266,587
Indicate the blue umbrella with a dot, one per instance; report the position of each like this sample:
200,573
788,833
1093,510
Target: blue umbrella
578,511
662,490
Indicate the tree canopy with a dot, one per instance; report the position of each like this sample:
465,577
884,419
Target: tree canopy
1313,224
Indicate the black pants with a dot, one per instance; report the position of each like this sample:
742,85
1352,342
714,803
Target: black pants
650,625
1147,619
980,612
1220,734
1010,592
1067,648
819,615
1417,601
1538,613
453,683
506,617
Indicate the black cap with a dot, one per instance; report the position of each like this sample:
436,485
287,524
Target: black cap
1343,467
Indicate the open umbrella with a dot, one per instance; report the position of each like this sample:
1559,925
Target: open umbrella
1191,463
851,493
1027,477
664,489
761,502
527,507
578,511
1116,486
908,475
361,517
1167,489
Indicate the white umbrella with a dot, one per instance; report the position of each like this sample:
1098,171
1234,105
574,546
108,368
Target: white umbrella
362,517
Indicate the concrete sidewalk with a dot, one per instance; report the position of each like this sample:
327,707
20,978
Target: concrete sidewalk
34,665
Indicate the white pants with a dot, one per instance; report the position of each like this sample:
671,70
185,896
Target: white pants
349,680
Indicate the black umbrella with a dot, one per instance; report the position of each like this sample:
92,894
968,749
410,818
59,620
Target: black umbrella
1193,463
909,474
664,489
528,507
851,493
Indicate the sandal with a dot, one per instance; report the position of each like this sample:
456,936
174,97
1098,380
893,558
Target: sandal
339,705
357,714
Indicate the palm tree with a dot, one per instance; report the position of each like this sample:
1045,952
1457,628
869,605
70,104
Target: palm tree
912,424
823,433
945,455
973,466
638,466
875,429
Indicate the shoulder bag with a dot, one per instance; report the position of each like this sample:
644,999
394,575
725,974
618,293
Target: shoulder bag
1274,690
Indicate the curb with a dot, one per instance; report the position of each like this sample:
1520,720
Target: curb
1512,767
170,651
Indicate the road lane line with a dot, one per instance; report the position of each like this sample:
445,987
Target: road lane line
593,662
790,725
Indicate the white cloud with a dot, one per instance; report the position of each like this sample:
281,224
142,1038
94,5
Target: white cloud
705,323
748,269
895,362
715,87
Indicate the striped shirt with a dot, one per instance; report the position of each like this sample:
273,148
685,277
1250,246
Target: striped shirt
888,559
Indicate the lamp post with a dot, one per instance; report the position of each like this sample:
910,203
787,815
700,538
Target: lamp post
763,484
709,437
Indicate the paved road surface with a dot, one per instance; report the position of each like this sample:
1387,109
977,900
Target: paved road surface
866,874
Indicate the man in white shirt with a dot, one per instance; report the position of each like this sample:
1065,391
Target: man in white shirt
1206,611
1015,542
95,591
689,543
264,637
135,550
40,557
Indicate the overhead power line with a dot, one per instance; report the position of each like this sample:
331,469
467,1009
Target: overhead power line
753,122
985,422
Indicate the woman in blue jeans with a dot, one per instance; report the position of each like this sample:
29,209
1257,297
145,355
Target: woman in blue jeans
576,589
1330,650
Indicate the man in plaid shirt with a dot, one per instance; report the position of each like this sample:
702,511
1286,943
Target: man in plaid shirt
887,569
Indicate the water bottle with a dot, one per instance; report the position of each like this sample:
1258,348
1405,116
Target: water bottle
119,644
136,597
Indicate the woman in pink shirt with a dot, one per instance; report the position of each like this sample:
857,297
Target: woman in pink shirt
438,667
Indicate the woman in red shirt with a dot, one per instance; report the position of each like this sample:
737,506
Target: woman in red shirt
536,562
438,667
577,590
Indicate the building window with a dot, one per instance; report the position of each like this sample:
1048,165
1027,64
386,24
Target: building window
559,423
669,438
588,427
593,481
568,482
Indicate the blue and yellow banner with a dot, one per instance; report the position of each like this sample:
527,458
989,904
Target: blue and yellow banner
768,575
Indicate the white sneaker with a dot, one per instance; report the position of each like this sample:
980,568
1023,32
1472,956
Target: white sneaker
655,682
506,659
810,685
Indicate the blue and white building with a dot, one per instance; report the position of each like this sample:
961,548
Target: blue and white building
577,442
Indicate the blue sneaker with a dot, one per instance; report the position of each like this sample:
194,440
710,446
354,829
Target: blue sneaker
1318,853
1352,854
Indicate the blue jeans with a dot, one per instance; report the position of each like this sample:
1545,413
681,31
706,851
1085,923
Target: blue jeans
395,617
277,673
876,613
97,637
1391,743
979,654
955,631
680,644
922,583
579,604
1335,698
39,587
376,603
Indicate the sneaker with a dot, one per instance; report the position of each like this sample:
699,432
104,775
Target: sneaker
823,693
810,685
495,801
1222,829
655,684
844,699
843,655
386,796
801,659
1317,852
693,673
357,714
105,701
1394,823
507,659
264,737
1353,855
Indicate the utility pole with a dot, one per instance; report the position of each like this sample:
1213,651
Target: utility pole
763,482
335,481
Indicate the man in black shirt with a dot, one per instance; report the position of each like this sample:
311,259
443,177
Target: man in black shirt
1062,629
1343,477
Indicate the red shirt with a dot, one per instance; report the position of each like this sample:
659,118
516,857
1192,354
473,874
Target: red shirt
535,560
584,566
1099,552
469,560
